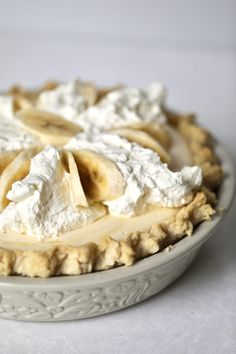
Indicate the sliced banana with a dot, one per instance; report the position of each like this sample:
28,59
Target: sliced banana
100,177
6,157
15,171
144,140
77,193
156,131
52,128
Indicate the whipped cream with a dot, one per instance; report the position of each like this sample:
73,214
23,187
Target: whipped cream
124,107
12,135
65,100
40,204
147,179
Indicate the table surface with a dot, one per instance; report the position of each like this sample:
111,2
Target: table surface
196,314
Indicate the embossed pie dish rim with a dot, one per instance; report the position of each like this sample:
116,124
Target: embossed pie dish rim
162,259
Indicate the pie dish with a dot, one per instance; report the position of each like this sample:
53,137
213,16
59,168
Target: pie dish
94,178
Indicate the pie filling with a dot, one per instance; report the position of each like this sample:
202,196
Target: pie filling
93,178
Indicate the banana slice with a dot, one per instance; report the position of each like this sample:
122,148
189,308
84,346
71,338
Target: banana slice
15,171
6,157
100,177
144,140
77,193
156,131
51,128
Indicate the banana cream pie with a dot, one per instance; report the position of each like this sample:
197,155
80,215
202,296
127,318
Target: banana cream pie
93,178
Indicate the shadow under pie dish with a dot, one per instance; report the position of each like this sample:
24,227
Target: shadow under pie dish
94,178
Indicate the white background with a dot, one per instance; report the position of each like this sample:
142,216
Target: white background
191,46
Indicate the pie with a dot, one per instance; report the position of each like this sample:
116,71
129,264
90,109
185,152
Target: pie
94,178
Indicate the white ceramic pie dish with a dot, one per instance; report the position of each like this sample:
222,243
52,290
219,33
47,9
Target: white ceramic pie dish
76,297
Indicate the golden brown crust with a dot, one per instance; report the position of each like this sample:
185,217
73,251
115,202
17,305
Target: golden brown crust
189,216
146,243
74,261
7,261
201,145
212,175
174,118
114,253
210,195
193,133
35,264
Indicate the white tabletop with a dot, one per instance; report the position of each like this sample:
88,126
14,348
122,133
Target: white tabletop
197,61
